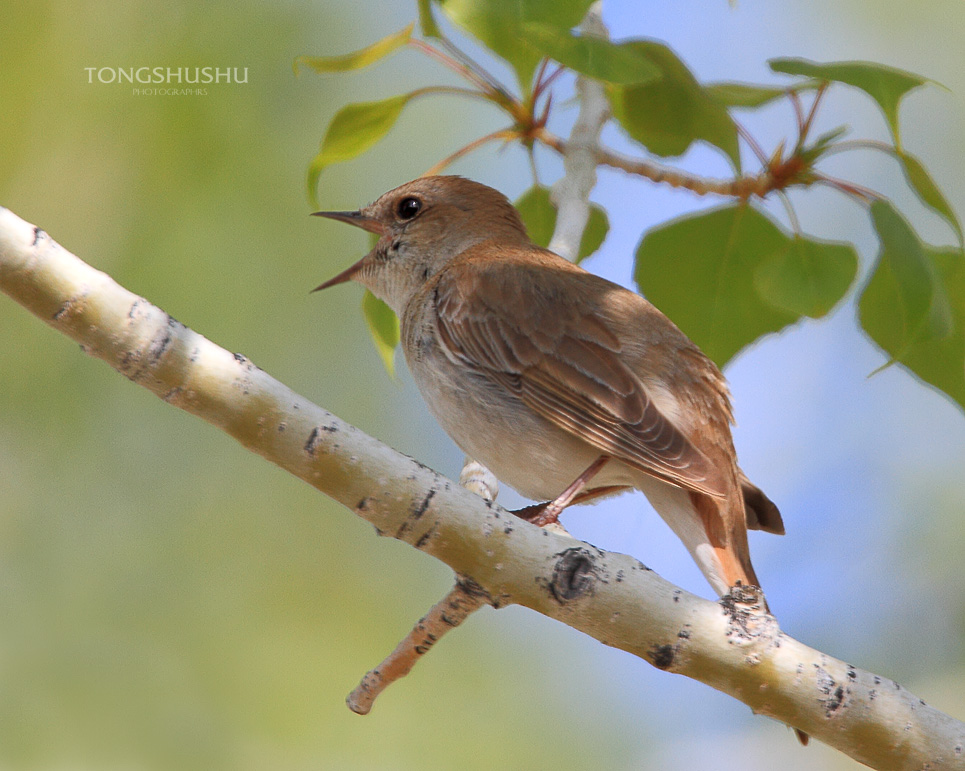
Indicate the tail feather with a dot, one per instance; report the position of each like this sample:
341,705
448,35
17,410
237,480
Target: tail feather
723,523
759,510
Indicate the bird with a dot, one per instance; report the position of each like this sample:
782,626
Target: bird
567,386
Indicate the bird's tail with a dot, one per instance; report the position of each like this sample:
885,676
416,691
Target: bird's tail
724,556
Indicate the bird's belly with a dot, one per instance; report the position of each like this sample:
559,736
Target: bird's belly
522,448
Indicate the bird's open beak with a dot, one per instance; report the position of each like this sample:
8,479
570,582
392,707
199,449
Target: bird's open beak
360,221
356,218
346,275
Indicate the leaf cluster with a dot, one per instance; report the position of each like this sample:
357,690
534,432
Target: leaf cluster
748,275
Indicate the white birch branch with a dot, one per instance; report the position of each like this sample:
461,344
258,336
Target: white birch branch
730,645
571,193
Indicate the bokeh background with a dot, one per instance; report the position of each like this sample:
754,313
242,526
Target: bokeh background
169,601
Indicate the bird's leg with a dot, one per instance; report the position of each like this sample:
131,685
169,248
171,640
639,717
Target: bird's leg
542,514
599,492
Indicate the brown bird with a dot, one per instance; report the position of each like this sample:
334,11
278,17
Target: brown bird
565,385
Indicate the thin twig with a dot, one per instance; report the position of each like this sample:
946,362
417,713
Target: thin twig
812,112
795,100
531,154
545,84
571,193
454,65
506,134
865,194
791,214
537,81
742,187
464,598
473,66
858,144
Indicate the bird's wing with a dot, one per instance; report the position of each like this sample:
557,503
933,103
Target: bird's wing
566,366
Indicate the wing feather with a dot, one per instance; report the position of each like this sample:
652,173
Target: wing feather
572,374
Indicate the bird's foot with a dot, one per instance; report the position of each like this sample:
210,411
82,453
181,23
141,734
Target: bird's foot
537,514
540,514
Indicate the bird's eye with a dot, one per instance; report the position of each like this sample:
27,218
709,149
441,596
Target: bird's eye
409,207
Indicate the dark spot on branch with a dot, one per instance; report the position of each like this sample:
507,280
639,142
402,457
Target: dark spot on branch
426,536
424,467
662,656
171,395
835,693
472,588
852,674
161,342
240,357
684,634
314,441
64,307
422,507
574,574
360,506
416,514
746,612
834,703
38,234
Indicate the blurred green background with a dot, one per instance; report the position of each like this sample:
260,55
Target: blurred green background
169,601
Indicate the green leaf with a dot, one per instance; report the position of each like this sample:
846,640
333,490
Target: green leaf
743,94
905,306
384,327
926,189
699,270
358,59
591,56
668,115
807,278
597,226
937,360
539,216
886,85
353,130
497,24
821,145
426,21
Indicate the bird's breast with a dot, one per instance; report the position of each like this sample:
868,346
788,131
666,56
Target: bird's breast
492,425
